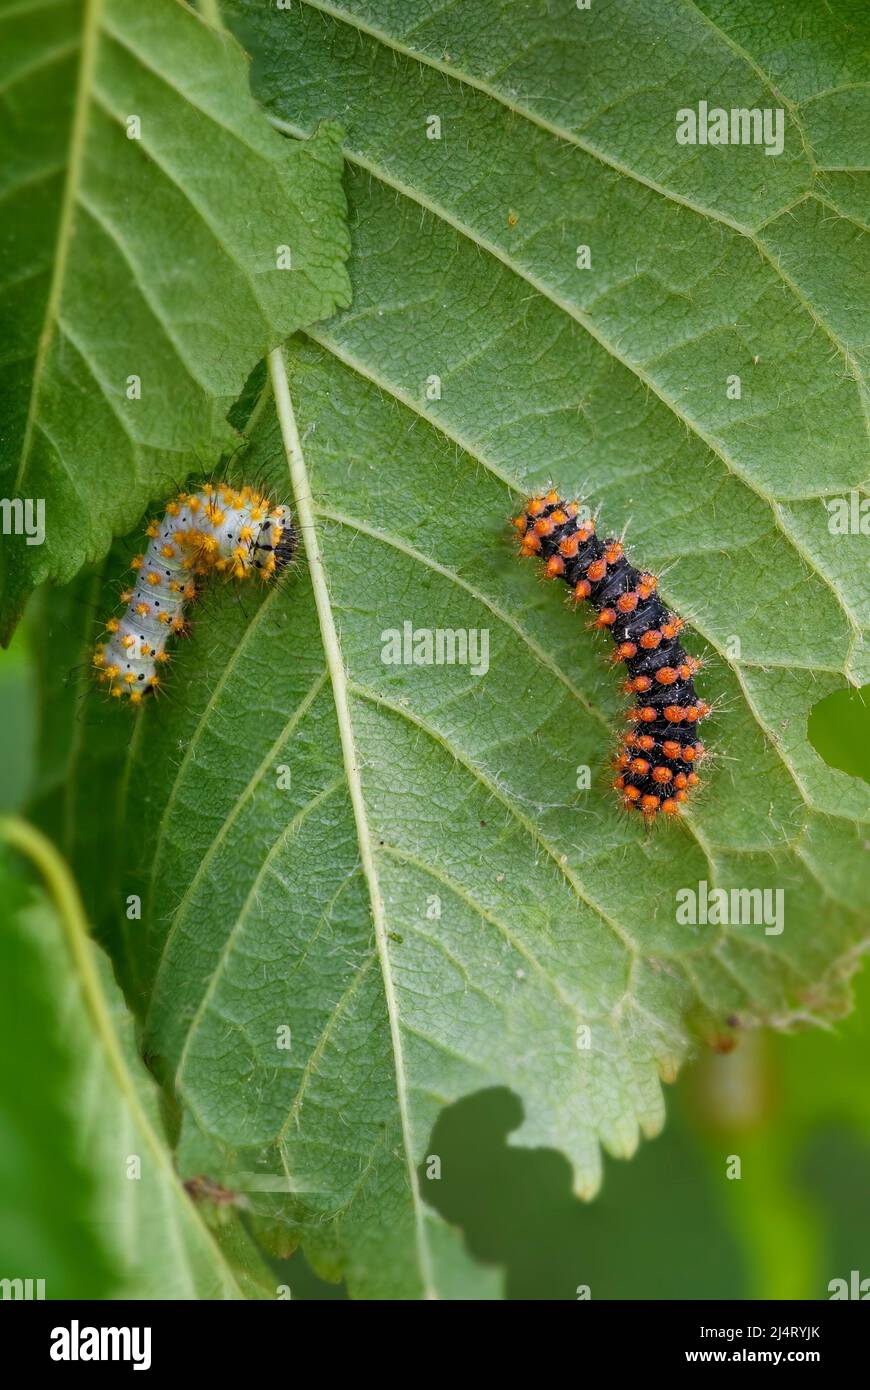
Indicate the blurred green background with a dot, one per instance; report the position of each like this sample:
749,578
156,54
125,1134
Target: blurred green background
670,1223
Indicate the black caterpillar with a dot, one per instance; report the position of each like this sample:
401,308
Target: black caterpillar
656,762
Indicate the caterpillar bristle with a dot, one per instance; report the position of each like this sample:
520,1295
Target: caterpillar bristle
237,532
646,639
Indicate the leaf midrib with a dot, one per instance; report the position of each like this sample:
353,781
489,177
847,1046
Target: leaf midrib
95,25
75,159
335,662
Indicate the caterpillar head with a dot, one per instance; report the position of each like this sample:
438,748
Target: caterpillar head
276,544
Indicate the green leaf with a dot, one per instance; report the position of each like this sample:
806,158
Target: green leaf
702,261
434,906
79,1110
18,719
144,255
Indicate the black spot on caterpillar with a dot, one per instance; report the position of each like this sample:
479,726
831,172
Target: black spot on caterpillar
656,763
